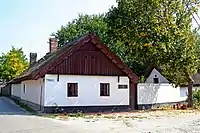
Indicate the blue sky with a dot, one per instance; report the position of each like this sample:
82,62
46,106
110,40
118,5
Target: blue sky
29,23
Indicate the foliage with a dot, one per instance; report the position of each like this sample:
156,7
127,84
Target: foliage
157,32
12,63
96,24
196,97
81,26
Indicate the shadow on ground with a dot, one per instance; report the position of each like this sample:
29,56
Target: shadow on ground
8,107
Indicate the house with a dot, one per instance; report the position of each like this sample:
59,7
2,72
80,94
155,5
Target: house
2,85
158,91
82,75
155,76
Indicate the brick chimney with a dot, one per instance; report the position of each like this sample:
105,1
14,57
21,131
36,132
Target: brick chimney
53,45
33,58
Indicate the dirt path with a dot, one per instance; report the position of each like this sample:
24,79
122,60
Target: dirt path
153,122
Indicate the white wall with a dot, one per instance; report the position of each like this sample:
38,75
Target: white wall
33,91
155,73
88,91
16,90
159,93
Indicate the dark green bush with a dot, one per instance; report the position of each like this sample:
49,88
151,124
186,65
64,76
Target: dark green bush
196,97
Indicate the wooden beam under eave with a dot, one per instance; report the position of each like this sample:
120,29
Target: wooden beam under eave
104,51
114,61
120,65
99,46
94,41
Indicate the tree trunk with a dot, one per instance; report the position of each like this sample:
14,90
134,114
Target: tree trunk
148,69
190,99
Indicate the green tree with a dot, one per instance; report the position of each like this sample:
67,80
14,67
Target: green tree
158,33
81,26
12,63
96,24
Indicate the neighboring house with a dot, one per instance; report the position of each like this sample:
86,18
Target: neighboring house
158,91
2,85
196,84
155,76
81,75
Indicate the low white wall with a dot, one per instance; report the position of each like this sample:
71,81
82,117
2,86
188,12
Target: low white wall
159,93
34,91
16,90
88,91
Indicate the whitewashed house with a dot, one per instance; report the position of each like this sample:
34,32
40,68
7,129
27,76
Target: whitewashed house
158,91
82,75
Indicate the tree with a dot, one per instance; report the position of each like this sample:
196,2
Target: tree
81,26
96,24
158,32
12,63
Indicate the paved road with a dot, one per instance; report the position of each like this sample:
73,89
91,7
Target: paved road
13,119
8,107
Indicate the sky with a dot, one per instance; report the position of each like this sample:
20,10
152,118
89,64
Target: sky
29,23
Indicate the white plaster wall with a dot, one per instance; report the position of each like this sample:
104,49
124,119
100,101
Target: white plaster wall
16,90
159,93
88,91
33,91
161,78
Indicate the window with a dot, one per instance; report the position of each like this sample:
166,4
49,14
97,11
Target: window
72,89
24,88
155,80
104,89
122,86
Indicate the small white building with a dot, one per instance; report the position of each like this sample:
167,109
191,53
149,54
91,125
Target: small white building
82,75
158,91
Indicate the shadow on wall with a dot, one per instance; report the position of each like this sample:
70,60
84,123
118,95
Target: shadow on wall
156,95
148,94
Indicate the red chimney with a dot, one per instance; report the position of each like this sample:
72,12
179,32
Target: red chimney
53,45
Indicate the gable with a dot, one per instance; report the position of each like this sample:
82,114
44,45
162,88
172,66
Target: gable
72,54
156,74
88,60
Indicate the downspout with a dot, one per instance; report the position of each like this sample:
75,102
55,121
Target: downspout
41,94
41,98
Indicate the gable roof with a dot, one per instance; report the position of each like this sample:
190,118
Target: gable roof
50,60
150,70
195,77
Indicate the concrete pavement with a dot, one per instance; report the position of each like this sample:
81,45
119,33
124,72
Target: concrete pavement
13,119
7,106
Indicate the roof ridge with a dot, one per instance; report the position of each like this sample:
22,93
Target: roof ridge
44,65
